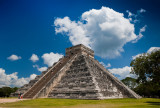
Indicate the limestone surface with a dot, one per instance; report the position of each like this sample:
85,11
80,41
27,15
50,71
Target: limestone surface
76,76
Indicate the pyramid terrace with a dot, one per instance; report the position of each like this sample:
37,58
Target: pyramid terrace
76,76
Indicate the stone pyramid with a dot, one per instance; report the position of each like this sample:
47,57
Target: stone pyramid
76,76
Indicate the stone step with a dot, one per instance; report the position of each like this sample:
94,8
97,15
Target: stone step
84,78
66,88
38,86
74,91
78,75
74,84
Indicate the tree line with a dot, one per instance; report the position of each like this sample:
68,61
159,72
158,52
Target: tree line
146,68
6,91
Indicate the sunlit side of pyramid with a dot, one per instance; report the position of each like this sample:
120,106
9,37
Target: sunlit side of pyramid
76,76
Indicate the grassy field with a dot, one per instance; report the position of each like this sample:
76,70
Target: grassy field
73,103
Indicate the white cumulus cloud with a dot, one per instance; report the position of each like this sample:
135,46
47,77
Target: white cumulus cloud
14,57
122,72
135,17
153,49
138,55
12,80
41,69
140,35
34,58
50,58
106,66
32,76
129,13
105,31
150,50
142,10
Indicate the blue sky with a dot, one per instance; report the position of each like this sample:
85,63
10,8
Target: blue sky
29,27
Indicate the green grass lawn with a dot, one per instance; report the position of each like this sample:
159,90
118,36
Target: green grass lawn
74,103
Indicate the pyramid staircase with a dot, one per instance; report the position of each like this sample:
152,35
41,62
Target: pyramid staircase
46,78
78,76
76,83
126,92
88,79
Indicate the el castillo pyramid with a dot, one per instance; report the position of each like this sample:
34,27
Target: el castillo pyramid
76,76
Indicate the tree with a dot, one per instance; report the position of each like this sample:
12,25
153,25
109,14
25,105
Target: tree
6,91
130,82
147,69
14,89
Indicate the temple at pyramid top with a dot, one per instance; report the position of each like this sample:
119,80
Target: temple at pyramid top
80,49
77,75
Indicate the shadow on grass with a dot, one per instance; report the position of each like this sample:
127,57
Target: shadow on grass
153,103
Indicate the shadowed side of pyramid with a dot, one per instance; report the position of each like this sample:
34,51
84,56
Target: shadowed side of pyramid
42,87
107,84
77,82
86,79
77,76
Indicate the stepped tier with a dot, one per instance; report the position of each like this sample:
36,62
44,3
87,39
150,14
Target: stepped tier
77,76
